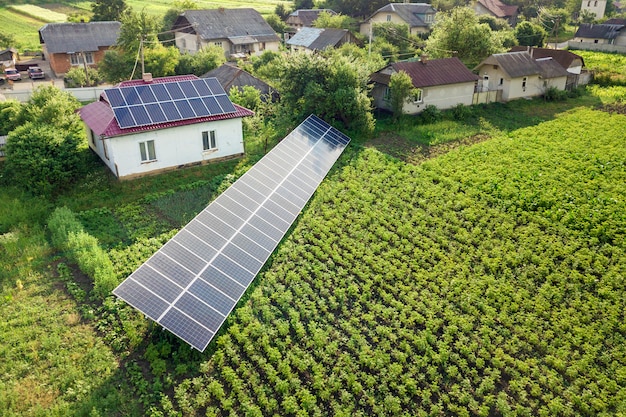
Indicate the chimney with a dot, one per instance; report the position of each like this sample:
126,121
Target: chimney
423,58
147,77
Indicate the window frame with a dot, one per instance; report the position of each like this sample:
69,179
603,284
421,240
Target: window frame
77,58
209,140
147,151
418,97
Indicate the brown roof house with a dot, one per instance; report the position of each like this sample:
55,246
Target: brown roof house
67,45
498,10
305,18
519,75
419,17
310,40
443,83
240,32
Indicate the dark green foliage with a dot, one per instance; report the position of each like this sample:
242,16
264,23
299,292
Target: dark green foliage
276,23
494,23
555,94
201,62
108,10
397,35
116,66
42,154
461,112
9,115
335,90
281,11
61,223
430,114
530,34
7,40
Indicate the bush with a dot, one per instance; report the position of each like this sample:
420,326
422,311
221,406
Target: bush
430,114
461,112
93,261
554,94
61,223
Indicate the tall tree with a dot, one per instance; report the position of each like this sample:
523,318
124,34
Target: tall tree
400,87
178,6
335,21
356,8
137,28
332,86
459,33
530,34
303,4
108,10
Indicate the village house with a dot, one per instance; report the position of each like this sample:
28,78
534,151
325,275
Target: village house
419,17
239,32
443,83
310,40
67,45
519,75
498,10
149,126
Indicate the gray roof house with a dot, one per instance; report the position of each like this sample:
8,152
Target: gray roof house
229,75
317,39
600,34
419,17
66,45
519,75
240,32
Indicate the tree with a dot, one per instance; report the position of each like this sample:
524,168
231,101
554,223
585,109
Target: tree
108,10
397,35
330,85
530,34
494,23
334,21
116,65
137,28
9,115
161,61
459,33
178,6
281,11
303,4
42,154
201,62
7,40
400,87
355,8
76,77
276,23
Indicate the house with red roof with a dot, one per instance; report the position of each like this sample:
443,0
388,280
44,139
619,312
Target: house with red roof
148,126
443,83
498,10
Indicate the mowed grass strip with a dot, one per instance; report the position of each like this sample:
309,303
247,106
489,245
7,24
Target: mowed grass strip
39,13
25,29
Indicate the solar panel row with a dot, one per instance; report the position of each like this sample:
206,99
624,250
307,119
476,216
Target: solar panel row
194,281
149,104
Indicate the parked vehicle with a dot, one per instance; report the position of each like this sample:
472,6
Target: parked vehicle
36,73
12,74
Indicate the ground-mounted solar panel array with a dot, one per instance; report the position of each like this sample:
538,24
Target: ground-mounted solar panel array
193,282
149,104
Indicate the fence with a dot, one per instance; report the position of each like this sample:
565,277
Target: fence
599,47
484,97
22,92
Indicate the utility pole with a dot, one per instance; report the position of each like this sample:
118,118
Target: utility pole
556,31
143,68
369,53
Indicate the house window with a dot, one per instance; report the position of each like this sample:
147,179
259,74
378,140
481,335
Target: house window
387,94
501,81
262,46
77,59
595,3
218,44
147,151
208,140
429,18
524,83
183,43
388,18
589,3
417,96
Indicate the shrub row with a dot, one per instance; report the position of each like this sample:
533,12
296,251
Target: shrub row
68,234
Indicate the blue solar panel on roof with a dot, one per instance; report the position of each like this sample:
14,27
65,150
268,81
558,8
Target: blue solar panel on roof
178,100
146,94
115,98
193,282
123,116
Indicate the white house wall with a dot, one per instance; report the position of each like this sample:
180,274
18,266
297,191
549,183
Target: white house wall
389,18
514,88
443,97
177,146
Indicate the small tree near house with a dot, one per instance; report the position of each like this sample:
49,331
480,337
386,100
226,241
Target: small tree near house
401,89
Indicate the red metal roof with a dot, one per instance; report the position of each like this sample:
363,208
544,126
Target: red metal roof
100,118
436,72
